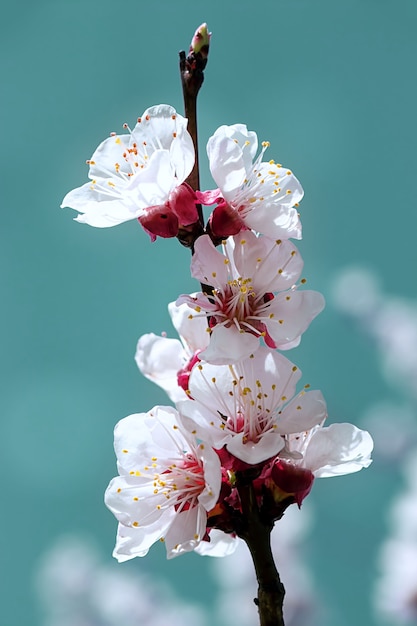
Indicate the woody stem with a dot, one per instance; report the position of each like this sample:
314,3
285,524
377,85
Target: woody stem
256,532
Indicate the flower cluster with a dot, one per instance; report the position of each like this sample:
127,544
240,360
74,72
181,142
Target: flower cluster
238,416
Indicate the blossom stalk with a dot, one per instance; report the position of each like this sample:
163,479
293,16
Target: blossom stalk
192,77
256,532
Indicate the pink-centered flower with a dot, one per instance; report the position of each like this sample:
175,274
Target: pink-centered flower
254,295
249,406
252,194
168,482
168,362
140,175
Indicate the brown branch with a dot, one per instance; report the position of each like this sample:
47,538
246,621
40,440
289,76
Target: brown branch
256,532
192,77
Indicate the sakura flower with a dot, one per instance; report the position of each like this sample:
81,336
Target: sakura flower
168,362
140,175
247,407
167,484
252,194
243,306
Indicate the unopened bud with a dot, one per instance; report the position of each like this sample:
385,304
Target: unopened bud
201,41
290,480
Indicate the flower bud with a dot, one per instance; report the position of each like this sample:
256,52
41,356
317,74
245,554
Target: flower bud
201,41
287,479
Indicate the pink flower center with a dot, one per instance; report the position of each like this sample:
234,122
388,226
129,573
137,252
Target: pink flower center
239,304
183,481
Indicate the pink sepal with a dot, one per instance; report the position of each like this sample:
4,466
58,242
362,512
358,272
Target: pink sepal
209,197
182,201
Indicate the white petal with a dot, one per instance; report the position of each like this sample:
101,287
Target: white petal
338,449
207,264
302,413
220,544
182,156
292,313
160,359
203,423
98,208
212,476
229,345
274,265
255,452
107,155
151,185
209,386
269,372
132,542
274,220
227,164
186,531
132,501
246,142
157,127
192,331
132,440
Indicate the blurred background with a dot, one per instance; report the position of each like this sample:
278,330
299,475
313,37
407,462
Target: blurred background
332,86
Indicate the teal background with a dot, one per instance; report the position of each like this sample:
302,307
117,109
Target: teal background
331,84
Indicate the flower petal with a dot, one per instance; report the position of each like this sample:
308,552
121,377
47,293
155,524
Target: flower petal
107,160
193,332
291,313
274,265
160,359
206,256
97,208
228,345
151,186
157,127
227,163
338,449
303,412
220,544
132,542
186,531
255,452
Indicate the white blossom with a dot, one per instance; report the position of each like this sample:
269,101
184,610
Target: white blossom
254,295
167,484
249,406
253,194
138,173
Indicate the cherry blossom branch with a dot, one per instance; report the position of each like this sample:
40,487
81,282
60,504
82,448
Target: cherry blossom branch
256,532
246,444
192,77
